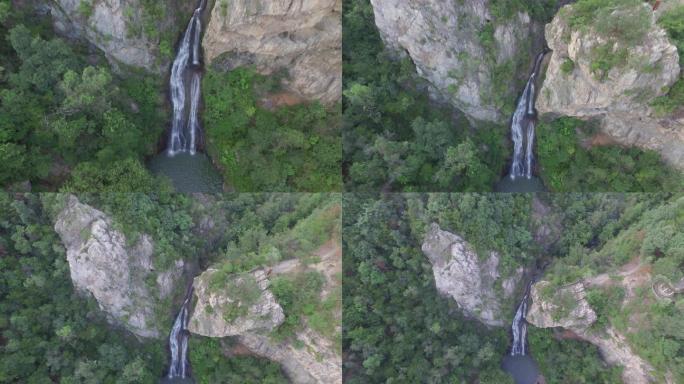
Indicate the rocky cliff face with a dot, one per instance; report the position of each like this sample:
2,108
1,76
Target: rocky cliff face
620,98
307,357
303,37
475,64
221,311
117,27
102,264
568,308
461,275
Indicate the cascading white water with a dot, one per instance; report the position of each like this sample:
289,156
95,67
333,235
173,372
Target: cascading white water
519,328
185,124
522,127
178,342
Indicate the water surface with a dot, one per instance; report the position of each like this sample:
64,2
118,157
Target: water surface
523,368
520,184
188,173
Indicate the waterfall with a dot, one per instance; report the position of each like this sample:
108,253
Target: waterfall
519,327
185,124
522,127
178,341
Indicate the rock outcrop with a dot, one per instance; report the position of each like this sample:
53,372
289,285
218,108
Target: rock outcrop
102,264
117,28
221,311
303,37
460,274
621,97
568,308
474,62
316,362
307,357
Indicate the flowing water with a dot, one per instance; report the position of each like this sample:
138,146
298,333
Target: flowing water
522,127
519,327
519,363
179,366
188,171
522,134
186,69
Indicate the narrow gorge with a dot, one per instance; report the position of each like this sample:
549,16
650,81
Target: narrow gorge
599,111
193,96
188,171
522,133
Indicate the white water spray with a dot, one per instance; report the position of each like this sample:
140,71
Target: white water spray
178,342
185,125
522,127
519,327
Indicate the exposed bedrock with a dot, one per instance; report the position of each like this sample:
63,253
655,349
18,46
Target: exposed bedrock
476,64
621,98
301,37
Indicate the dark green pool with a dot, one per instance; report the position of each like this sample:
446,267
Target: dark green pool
520,185
188,173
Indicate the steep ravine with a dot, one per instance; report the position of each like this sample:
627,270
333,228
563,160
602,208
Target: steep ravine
484,293
103,263
477,61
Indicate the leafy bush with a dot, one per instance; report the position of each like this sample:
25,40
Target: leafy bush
210,365
569,361
292,148
395,138
120,176
673,22
568,166
85,8
567,67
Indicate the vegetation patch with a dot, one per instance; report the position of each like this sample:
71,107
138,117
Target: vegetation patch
569,360
243,290
567,66
622,23
569,166
211,365
395,138
62,120
292,148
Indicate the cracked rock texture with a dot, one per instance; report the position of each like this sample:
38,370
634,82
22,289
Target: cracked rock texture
301,37
115,27
461,275
620,101
443,39
102,263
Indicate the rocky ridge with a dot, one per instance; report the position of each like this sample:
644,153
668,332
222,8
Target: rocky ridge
461,275
318,361
110,24
568,308
621,98
260,313
304,38
102,264
462,52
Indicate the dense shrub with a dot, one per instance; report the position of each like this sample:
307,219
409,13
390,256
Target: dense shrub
568,166
395,138
58,115
292,148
